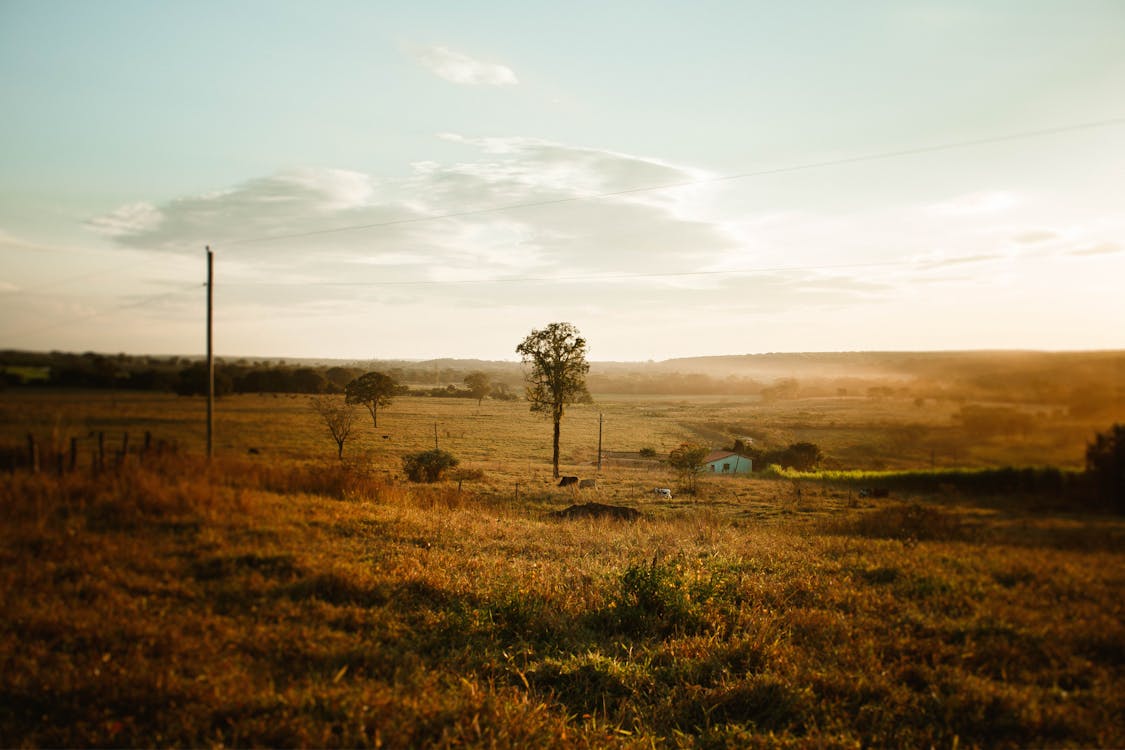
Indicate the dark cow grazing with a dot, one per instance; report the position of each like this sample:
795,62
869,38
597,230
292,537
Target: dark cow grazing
588,484
567,481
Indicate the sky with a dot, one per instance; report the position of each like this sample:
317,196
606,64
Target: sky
437,179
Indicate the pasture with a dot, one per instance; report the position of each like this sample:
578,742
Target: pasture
283,598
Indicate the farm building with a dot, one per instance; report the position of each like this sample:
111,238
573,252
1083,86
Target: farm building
727,462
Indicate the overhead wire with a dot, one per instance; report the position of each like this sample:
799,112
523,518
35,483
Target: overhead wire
1023,135
583,277
878,156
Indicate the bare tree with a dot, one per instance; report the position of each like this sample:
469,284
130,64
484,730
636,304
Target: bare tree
338,417
687,461
557,375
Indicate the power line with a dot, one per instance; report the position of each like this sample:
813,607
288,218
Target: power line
581,277
879,156
1109,122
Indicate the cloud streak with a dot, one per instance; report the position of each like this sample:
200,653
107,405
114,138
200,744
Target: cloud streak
459,68
517,205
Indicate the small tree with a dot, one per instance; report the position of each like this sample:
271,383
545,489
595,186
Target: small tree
479,385
1105,465
687,461
803,456
338,418
373,390
428,466
556,356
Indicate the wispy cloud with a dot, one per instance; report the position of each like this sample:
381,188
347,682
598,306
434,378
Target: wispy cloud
1101,248
926,264
457,67
516,206
1035,236
976,203
131,219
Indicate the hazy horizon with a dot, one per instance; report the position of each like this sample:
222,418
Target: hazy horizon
435,180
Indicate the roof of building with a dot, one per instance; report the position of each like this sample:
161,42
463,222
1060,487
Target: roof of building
716,455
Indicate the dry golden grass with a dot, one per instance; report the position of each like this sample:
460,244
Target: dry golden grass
285,599
505,438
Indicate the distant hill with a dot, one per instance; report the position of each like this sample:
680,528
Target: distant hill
957,364
1079,382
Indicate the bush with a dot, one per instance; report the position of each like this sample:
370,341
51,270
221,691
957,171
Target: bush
1105,465
428,466
799,456
647,452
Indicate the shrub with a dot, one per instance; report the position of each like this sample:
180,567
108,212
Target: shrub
1105,465
647,452
653,599
428,466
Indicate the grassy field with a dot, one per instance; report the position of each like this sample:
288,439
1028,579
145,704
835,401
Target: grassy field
285,599
853,432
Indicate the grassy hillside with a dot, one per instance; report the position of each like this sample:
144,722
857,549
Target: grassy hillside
283,598
324,606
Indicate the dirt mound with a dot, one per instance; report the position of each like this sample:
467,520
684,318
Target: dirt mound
598,510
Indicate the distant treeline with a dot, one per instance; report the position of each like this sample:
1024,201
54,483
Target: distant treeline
187,376
1079,384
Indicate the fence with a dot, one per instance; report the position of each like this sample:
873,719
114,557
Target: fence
91,452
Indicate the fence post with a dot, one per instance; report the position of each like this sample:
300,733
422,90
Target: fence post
101,451
32,453
73,453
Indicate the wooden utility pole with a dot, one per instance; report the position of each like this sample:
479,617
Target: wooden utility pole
210,356
600,417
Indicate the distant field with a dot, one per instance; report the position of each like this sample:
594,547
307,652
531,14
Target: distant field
503,436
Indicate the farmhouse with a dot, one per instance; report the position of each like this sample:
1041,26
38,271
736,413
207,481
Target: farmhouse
727,462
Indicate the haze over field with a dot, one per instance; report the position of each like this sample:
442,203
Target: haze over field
436,179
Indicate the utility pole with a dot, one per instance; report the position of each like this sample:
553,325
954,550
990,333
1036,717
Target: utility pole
210,356
600,417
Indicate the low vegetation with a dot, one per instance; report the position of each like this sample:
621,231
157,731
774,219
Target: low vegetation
281,596
428,466
326,606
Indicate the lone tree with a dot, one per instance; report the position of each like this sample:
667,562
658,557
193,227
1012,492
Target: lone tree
687,461
373,390
479,385
557,375
338,418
